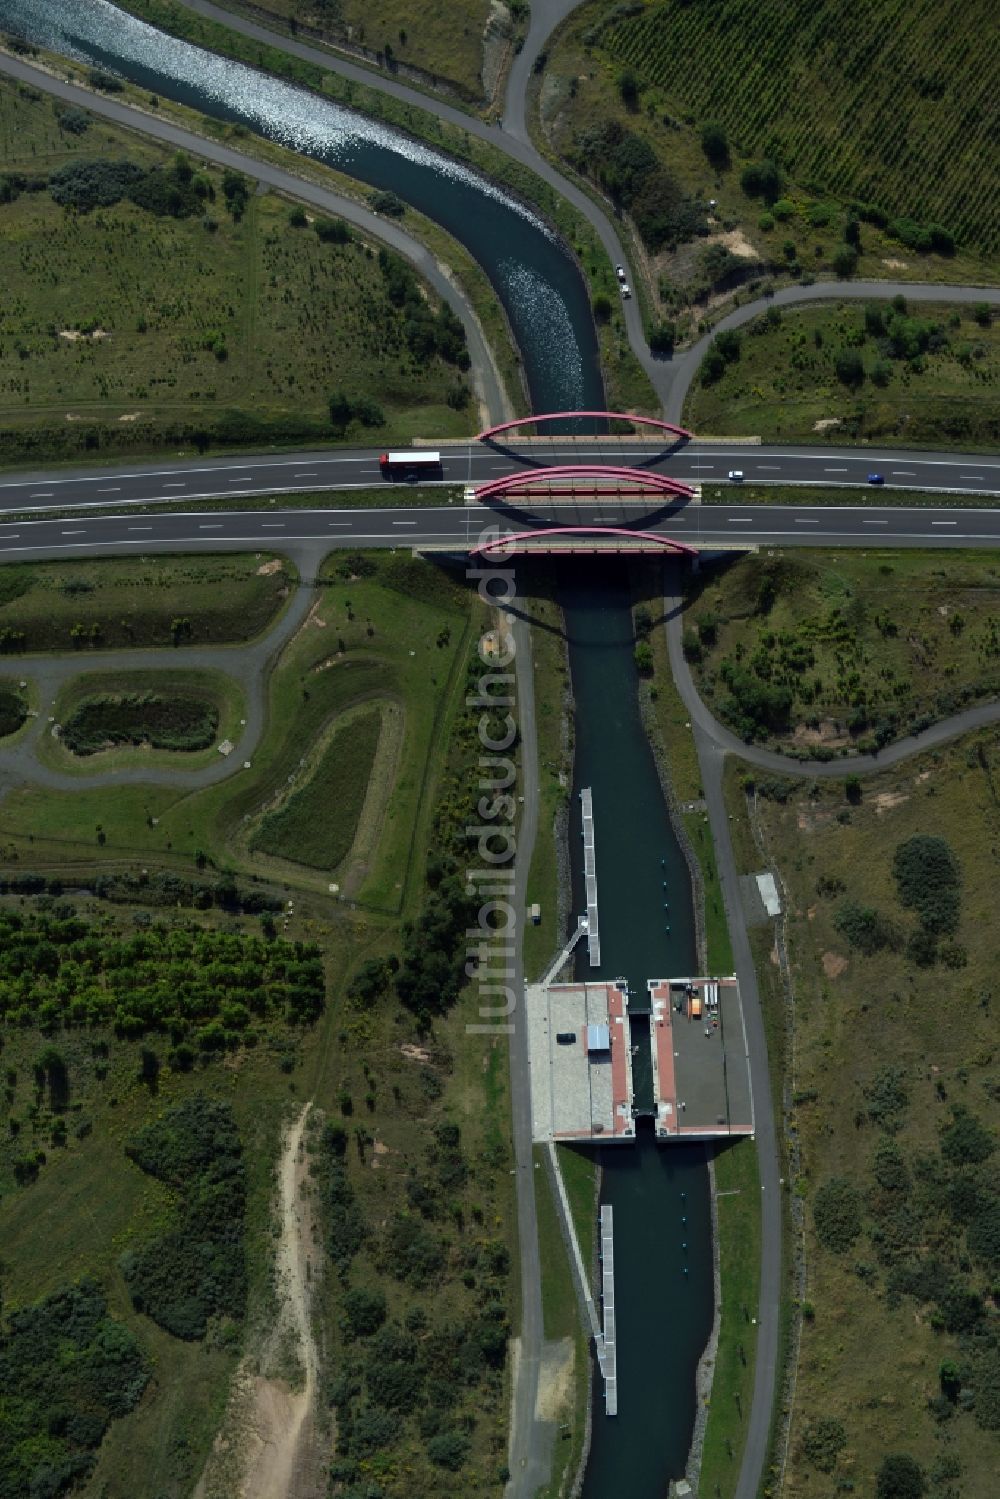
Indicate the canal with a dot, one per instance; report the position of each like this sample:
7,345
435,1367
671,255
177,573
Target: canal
660,1194
663,1263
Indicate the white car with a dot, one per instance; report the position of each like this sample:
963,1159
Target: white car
736,475
626,291
620,272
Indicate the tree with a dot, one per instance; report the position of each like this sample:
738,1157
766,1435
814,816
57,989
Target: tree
715,145
713,366
900,1477
602,308
762,181
628,87
728,344
850,367
297,217
845,262
644,658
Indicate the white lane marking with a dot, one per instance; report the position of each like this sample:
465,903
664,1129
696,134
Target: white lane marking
10,536
72,533
874,522
117,490
741,520
175,486
902,473
340,523
944,522
773,467
305,476
970,476
404,523
213,526
43,494
800,522
835,471
140,528
277,525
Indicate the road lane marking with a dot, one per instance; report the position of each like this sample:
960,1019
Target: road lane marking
404,523
944,522
771,467
275,526
175,486
243,479
140,528
835,471
971,476
118,490
740,520
43,494
874,522
72,533
902,473
211,526
340,523
799,521
305,476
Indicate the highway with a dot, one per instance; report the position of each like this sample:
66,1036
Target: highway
310,533
189,481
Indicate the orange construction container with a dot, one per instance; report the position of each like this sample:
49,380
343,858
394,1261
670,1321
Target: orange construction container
695,1005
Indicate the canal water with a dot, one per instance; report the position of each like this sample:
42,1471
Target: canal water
660,1195
538,283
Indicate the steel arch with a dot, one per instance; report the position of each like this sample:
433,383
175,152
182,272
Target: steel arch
484,548
562,416
527,477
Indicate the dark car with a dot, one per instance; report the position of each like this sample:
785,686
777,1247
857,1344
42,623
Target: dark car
875,479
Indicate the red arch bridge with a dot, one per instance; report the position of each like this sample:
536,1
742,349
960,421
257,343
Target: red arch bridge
681,433
592,539
583,481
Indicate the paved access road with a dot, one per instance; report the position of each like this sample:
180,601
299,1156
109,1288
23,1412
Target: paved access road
191,480
309,534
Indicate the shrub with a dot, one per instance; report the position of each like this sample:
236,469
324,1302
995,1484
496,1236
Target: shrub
865,928
845,262
332,231
887,1098
75,121
364,1310
928,879
388,203
899,1477
715,145
766,222
628,87
448,1449
602,308
965,1141
643,655
297,217
822,1443
662,338
837,1214
761,181
850,367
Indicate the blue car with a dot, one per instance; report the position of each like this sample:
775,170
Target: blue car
875,479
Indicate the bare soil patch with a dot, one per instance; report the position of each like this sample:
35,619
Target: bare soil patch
834,964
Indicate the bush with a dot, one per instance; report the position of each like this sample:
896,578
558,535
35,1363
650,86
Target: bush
388,203
837,1214
715,145
364,1310
448,1449
845,262
866,929
850,367
643,655
662,338
965,1141
332,231
928,880
761,181
75,121
899,1477
822,1443
602,308
297,217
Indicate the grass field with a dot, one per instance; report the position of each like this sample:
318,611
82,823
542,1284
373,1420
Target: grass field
208,689
826,653
317,823
201,331
894,1083
935,381
139,601
784,92
445,42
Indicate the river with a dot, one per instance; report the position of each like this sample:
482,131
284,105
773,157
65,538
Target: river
664,1314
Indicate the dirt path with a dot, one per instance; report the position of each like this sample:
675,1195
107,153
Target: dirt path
267,1446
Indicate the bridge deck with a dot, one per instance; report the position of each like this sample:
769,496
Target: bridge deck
607,1353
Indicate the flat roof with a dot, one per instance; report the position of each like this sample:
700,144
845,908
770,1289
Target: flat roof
701,1070
579,1092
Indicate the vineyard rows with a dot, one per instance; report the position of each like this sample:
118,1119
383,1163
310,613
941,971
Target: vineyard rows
893,102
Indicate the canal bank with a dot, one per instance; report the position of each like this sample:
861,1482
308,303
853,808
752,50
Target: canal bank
660,1195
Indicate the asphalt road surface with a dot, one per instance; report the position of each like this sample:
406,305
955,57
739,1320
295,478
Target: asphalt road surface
184,482
310,533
